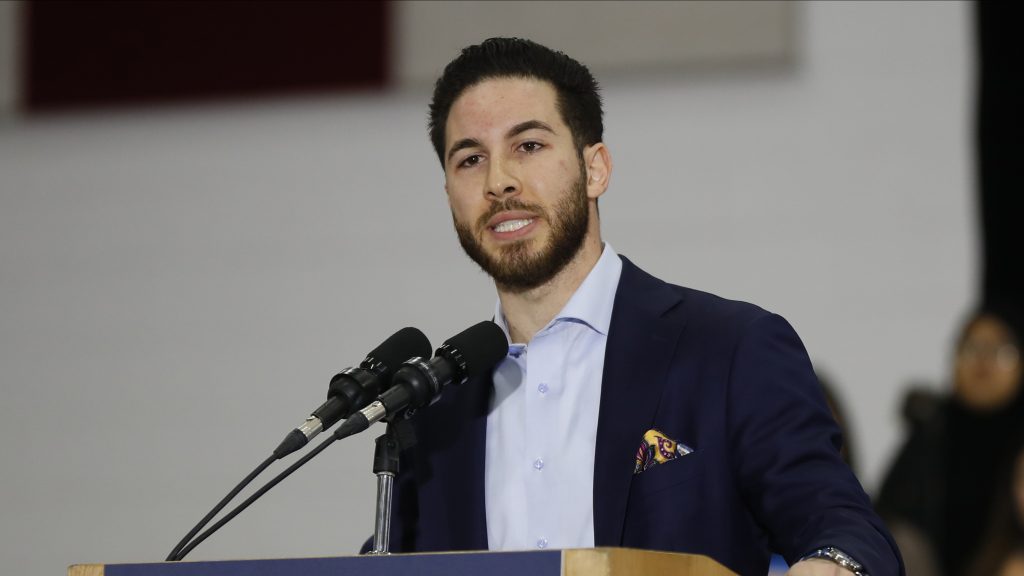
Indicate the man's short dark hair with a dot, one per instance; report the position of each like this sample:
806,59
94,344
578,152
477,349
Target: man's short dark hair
578,100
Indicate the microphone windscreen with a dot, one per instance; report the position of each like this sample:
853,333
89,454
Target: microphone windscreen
480,347
401,346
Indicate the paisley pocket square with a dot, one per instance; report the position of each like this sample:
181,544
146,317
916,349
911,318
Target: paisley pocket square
657,448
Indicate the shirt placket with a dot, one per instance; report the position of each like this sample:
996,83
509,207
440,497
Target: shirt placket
541,457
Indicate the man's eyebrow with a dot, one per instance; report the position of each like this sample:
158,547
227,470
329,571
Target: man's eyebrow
462,144
529,125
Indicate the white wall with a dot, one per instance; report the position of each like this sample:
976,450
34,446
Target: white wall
178,285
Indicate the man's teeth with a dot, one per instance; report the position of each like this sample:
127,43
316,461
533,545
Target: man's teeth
512,225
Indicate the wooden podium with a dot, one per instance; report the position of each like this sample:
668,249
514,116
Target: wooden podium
576,562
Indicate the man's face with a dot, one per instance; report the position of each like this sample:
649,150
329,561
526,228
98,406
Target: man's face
516,185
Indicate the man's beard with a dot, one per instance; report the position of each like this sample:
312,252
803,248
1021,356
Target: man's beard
515,268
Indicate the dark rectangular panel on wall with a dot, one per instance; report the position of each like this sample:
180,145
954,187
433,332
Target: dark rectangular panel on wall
89,53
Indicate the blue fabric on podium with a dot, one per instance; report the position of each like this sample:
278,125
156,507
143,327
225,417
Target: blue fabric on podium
539,563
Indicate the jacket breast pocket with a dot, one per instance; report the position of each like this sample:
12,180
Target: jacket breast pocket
666,475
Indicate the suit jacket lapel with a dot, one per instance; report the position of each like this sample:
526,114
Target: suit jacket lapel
641,341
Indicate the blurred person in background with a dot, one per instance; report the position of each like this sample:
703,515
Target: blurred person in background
937,496
1002,553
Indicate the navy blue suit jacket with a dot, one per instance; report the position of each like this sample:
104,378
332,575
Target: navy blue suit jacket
725,378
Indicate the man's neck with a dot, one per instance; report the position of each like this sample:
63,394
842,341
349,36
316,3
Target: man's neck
529,311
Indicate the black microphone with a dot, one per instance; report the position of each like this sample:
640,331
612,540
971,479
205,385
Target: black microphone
420,382
350,390
354,388
417,383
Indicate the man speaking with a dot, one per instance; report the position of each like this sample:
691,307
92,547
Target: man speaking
628,412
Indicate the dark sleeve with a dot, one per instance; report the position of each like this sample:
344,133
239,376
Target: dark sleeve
787,460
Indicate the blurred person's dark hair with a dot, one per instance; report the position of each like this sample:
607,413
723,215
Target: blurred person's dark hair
1004,539
940,485
578,101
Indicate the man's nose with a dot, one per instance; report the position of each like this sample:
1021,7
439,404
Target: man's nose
501,181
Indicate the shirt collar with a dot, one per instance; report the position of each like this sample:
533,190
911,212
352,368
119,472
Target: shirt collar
592,302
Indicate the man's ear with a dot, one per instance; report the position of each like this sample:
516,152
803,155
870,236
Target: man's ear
598,162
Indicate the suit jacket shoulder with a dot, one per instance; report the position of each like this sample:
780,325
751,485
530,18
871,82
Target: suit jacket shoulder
734,383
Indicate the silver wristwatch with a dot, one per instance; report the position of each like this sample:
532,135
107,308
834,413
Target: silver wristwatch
839,557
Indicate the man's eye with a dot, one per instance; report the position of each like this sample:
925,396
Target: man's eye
470,161
531,146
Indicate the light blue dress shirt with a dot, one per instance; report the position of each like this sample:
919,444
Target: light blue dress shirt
542,424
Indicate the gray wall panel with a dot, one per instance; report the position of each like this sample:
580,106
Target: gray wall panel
607,36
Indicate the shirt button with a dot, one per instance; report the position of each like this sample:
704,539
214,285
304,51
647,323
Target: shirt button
542,388
538,463
542,543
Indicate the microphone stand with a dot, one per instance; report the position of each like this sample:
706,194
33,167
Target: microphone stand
398,436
